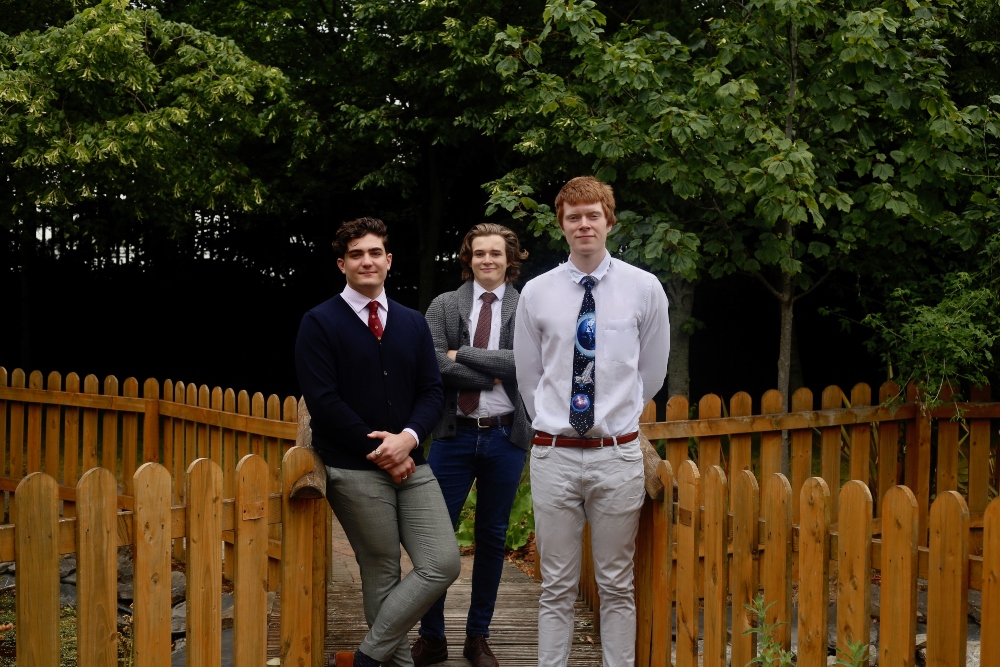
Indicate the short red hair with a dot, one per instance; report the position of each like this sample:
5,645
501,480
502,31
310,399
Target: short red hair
586,190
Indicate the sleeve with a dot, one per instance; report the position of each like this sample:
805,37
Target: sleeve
429,404
654,342
317,374
527,353
455,375
495,363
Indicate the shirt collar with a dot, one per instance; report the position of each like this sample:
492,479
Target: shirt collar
358,301
478,290
576,275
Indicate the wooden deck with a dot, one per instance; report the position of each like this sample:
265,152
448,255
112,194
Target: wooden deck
513,633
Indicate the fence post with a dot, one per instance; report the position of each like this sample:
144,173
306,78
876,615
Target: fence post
814,572
709,446
97,569
743,576
776,568
979,455
642,563
16,451
250,562
204,564
861,436
832,399
898,616
688,481
677,448
36,517
740,456
151,627
34,453
716,559
888,447
854,565
770,441
296,564
947,448
71,444
663,594
802,450
990,648
52,428
151,423
948,581
130,439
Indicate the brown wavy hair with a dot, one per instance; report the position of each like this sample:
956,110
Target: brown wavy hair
355,229
514,253
586,190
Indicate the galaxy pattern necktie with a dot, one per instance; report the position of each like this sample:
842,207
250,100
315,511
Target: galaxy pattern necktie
468,400
581,402
374,323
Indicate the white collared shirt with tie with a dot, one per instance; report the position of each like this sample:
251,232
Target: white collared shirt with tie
571,486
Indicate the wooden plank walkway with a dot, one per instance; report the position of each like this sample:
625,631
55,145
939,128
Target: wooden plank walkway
513,633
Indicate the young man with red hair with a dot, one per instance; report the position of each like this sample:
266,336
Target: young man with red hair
591,348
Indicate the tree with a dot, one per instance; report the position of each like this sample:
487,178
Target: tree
120,124
796,138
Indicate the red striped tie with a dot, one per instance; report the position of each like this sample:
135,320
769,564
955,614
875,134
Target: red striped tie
468,400
374,323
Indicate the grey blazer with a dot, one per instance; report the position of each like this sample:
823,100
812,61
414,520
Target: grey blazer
448,317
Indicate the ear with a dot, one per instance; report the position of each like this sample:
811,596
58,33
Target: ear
388,261
340,265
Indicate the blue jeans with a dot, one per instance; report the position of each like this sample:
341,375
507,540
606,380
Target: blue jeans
487,456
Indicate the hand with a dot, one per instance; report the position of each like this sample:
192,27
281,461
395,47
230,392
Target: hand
395,448
497,381
402,471
453,355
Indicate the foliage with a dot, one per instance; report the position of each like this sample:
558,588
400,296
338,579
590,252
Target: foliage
781,140
522,518
120,110
769,650
856,654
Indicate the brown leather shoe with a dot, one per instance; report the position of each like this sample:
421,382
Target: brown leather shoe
477,651
342,659
429,651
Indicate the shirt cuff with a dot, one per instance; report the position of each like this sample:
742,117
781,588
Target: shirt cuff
414,434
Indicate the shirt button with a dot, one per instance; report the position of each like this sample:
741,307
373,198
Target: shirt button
385,372
389,402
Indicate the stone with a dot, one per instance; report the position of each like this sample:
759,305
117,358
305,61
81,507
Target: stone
976,607
972,653
69,578
67,595
67,566
178,587
125,563
831,661
6,580
126,591
6,568
228,605
178,619
921,641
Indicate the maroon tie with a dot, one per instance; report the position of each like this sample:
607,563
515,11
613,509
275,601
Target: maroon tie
374,323
468,400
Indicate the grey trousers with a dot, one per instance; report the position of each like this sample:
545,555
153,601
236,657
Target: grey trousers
378,516
604,487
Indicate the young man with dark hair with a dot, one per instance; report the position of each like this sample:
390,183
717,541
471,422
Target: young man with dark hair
591,349
369,376
484,434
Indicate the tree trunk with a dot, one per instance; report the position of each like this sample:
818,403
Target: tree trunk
430,229
786,302
26,250
680,294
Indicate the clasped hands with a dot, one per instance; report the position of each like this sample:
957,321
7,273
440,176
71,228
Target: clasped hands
393,455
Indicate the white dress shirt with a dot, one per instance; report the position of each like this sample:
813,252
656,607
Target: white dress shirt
359,304
492,402
633,343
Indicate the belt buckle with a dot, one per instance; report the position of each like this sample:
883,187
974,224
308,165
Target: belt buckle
479,422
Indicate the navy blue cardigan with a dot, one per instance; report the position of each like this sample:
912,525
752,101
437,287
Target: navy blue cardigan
355,384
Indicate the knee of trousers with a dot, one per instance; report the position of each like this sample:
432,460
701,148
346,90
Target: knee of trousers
442,570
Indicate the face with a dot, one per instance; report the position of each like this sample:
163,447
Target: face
366,264
586,228
489,260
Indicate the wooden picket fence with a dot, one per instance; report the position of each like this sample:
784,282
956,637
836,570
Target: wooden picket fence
65,427
38,537
710,538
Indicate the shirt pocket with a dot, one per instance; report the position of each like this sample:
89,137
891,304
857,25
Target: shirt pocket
621,340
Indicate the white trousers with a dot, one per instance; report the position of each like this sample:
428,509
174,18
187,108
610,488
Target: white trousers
602,486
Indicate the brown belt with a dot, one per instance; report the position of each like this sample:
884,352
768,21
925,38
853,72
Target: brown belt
486,422
548,440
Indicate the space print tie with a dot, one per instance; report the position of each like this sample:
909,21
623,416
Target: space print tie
581,402
374,323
